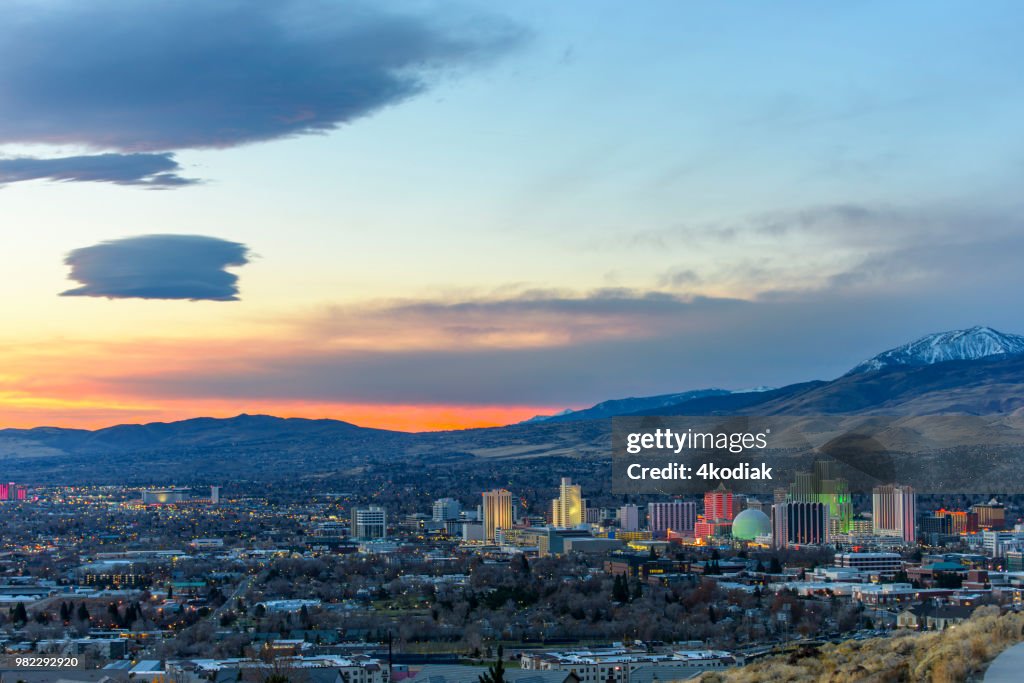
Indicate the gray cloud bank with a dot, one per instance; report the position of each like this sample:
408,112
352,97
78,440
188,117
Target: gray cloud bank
669,345
165,75
158,267
149,170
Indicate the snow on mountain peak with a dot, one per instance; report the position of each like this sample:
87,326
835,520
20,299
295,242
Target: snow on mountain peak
970,344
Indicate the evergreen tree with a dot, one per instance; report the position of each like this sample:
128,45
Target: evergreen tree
65,613
638,591
83,613
620,589
496,672
19,616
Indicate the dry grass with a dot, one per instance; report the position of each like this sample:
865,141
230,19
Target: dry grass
950,656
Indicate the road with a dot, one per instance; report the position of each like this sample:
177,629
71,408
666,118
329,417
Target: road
1007,667
239,591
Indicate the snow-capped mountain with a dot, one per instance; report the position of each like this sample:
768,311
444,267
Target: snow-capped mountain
971,344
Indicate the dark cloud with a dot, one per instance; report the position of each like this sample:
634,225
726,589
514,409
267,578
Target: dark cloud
165,75
149,170
158,267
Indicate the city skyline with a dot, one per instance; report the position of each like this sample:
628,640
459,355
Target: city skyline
436,217
294,576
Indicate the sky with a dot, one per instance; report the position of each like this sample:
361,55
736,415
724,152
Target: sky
424,215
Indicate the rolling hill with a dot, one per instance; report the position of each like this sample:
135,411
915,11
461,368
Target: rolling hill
968,372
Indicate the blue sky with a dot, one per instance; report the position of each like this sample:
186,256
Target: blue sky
464,214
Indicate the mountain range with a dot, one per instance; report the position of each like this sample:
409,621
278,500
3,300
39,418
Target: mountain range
978,371
970,344
626,406
897,380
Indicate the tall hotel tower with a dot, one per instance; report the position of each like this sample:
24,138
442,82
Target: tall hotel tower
567,509
497,510
799,523
718,505
677,516
894,511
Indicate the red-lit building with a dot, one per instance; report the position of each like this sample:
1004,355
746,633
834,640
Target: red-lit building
12,491
711,527
718,505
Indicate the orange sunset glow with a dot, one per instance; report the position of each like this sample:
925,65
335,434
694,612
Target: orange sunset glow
88,383
32,411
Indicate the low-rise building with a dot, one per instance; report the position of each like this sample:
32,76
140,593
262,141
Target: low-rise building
325,668
928,617
875,563
620,664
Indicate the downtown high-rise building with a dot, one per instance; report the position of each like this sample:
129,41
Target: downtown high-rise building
759,505
823,485
11,491
799,523
991,515
677,516
497,512
959,521
629,518
446,509
369,523
894,512
718,505
567,509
